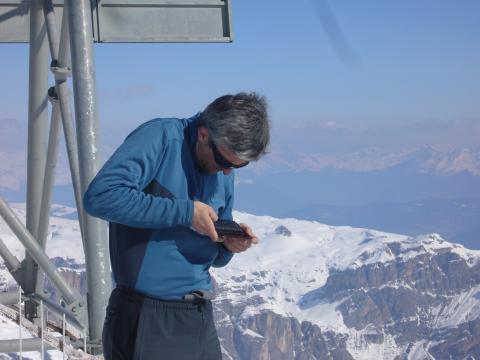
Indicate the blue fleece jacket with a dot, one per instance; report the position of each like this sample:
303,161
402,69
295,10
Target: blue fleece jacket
146,191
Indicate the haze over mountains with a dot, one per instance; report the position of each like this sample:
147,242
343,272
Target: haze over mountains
13,160
327,173
422,159
412,192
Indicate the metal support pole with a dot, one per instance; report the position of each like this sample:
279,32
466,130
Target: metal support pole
52,31
64,325
52,152
95,230
59,51
72,152
42,329
20,320
11,262
37,134
36,252
52,155
61,71
13,266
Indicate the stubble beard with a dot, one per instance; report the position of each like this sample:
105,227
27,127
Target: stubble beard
202,161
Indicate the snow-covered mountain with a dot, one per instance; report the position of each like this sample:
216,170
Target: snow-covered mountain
313,291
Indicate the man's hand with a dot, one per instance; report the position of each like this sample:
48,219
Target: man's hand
203,218
239,244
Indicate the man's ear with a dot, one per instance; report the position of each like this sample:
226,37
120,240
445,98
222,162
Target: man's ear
202,134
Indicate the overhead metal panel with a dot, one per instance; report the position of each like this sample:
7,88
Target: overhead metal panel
15,20
134,20
162,21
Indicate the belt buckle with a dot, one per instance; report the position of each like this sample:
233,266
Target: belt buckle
198,295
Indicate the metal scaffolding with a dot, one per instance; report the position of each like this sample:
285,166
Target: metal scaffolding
193,21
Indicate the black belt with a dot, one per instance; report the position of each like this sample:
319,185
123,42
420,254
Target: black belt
193,296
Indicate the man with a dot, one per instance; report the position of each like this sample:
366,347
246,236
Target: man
162,191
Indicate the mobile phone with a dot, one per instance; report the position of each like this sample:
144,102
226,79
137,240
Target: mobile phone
229,228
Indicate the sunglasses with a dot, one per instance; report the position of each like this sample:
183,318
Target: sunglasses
221,161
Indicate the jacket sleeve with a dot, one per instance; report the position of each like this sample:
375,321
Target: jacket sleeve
116,195
224,256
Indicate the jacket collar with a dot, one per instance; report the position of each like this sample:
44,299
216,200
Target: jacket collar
191,135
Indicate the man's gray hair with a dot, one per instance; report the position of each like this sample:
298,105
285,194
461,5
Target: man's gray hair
240,122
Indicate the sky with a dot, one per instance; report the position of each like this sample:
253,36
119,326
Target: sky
411,76
385,80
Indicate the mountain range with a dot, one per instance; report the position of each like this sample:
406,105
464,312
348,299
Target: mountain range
420,159
315,291
370,186
295,158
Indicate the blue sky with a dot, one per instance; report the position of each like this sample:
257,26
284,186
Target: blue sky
417,68
413,80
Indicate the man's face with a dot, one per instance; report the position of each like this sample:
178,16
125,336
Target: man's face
206,158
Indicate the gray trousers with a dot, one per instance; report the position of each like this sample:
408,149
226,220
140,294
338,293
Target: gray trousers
142,328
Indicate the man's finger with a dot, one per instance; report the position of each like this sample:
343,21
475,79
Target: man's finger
213,214
234,245
211,232
242,244
248,230
248,245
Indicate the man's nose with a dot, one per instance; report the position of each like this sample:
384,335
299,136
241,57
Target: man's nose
226,171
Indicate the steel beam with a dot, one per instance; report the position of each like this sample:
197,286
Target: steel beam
52,155
95,230
36,252
37,135
52,306
11,262
60,72
59,52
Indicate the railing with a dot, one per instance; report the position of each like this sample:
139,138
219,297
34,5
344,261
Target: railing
44,340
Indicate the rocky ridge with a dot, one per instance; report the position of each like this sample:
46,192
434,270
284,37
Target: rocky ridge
342,293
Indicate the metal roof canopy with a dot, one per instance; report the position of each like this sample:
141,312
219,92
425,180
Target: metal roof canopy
134,21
